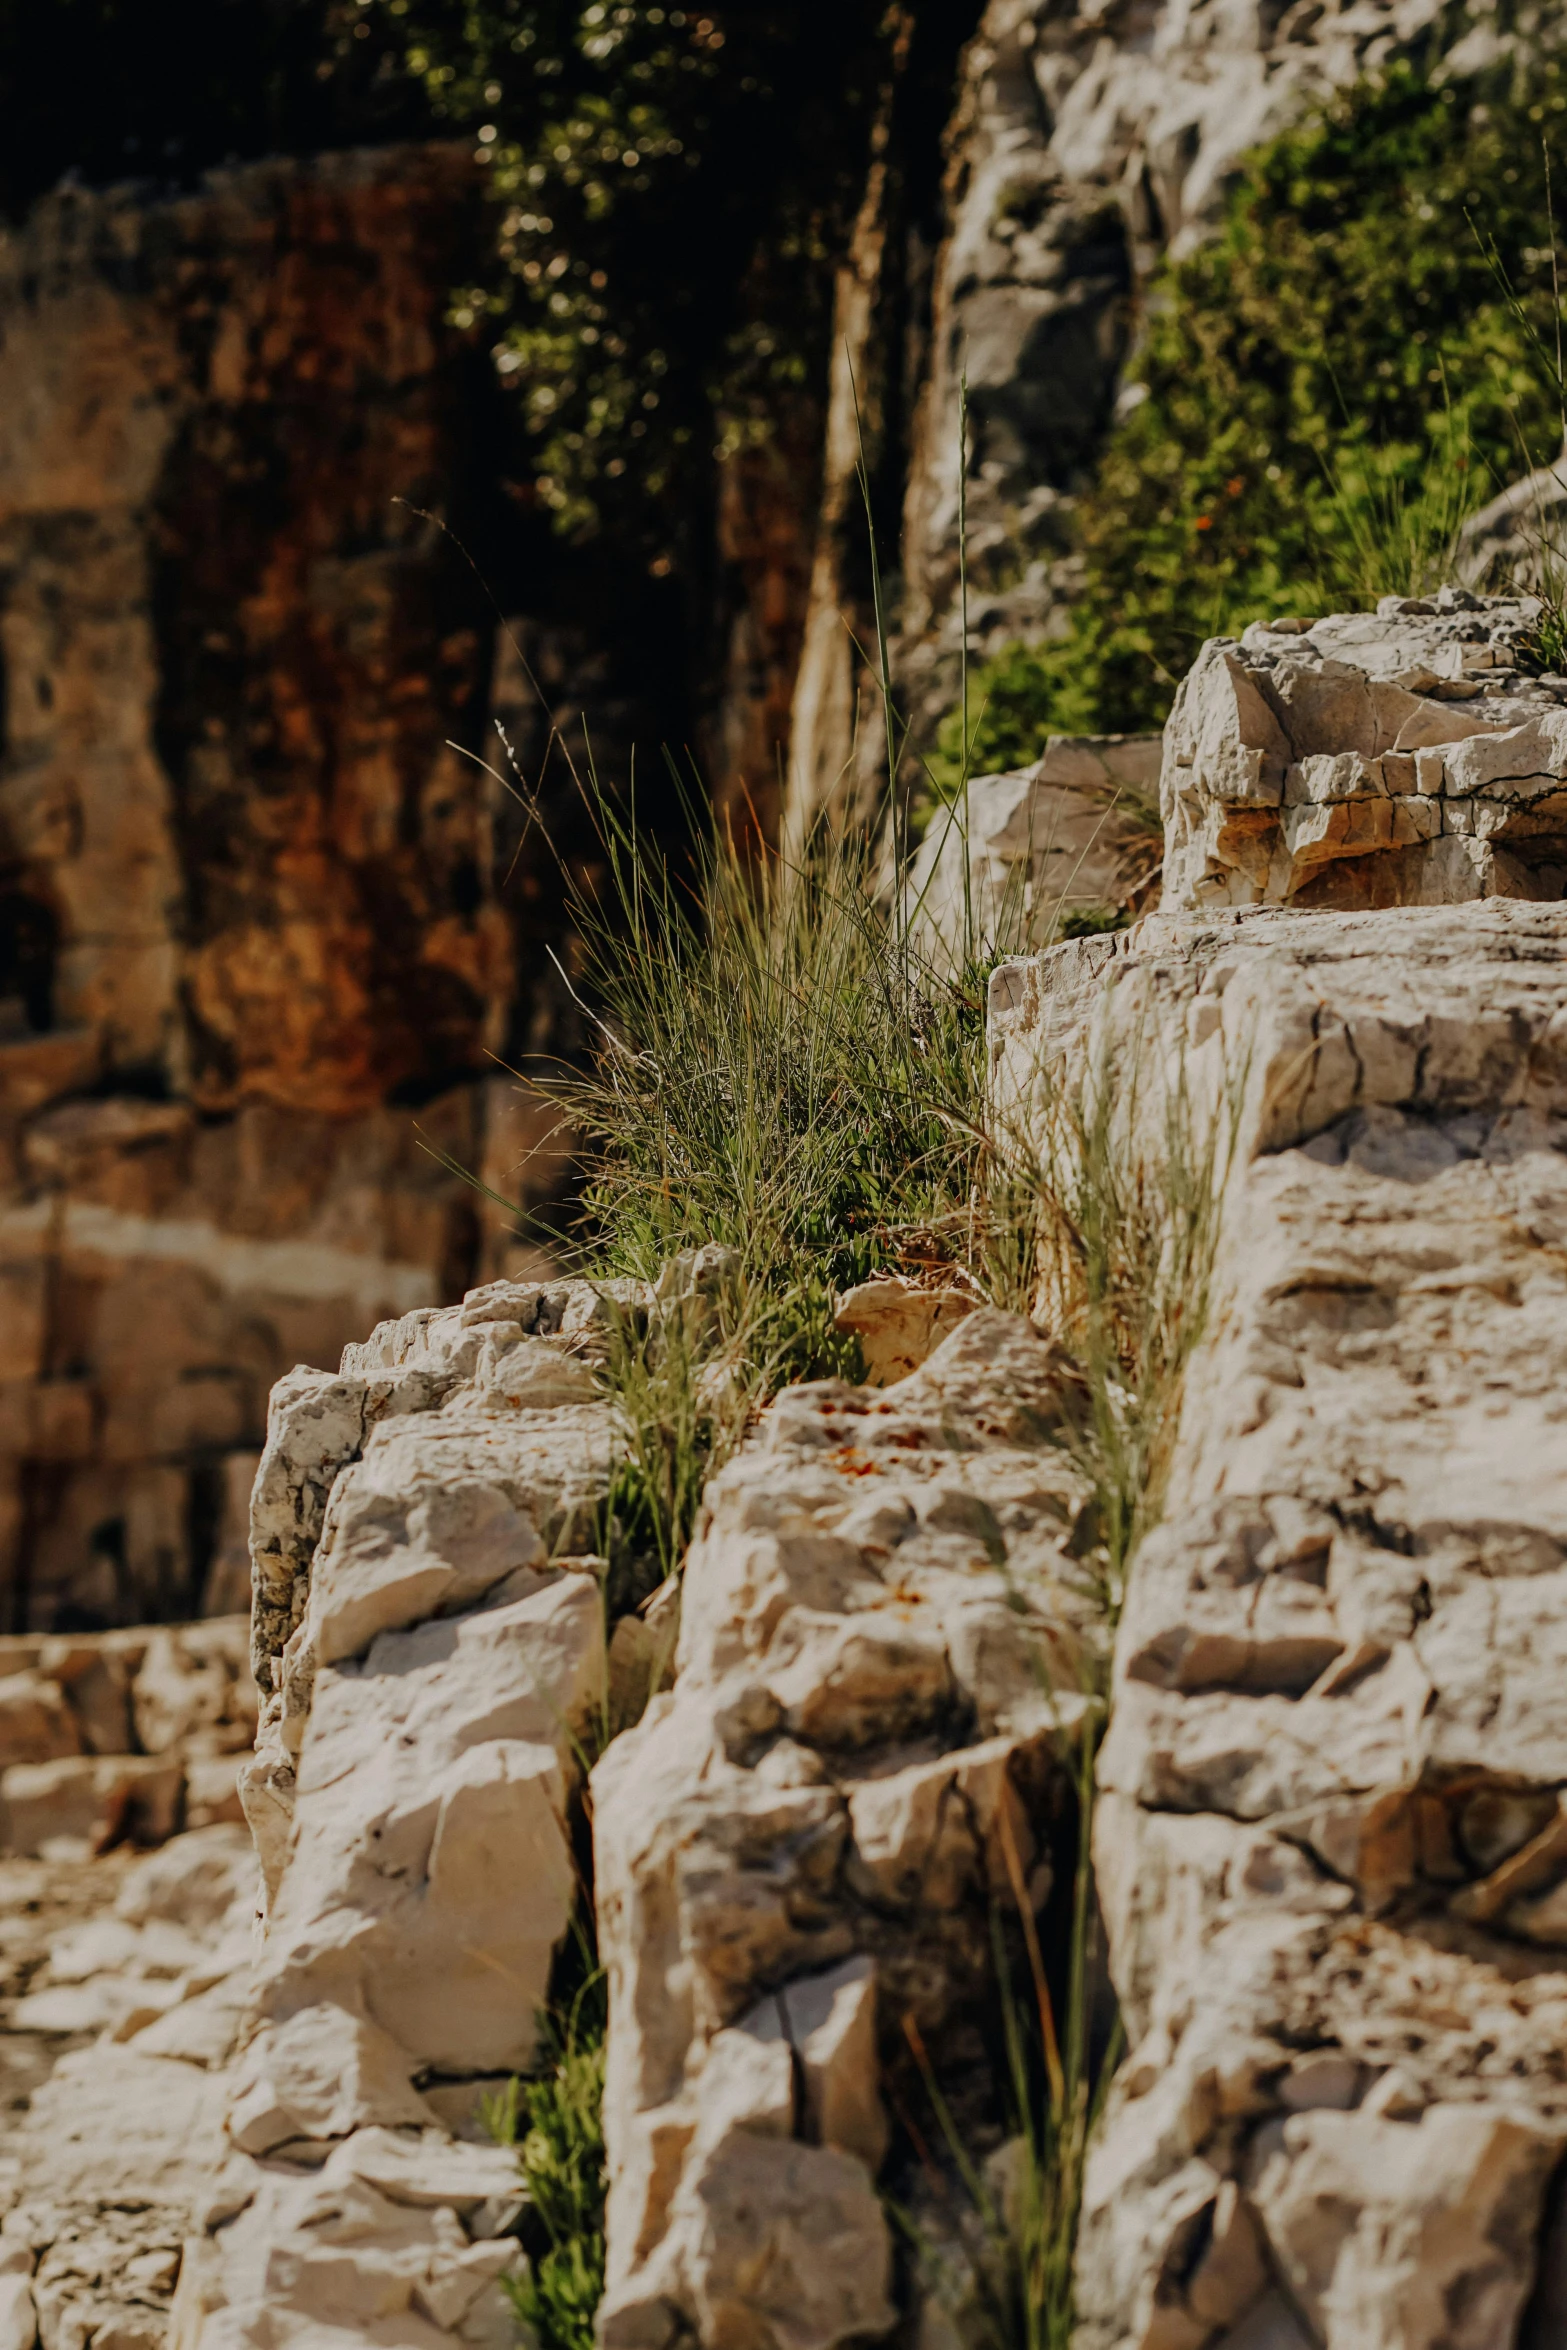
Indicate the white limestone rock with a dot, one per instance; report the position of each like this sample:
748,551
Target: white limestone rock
165,2144
320,2075
1402,757
327,2258
429,1687
1076,834
806,1833
18,2314
898,1323
430,1876
1328,1842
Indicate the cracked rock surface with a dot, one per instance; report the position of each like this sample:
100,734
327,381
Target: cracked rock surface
429,1643
1330,1844
879,1672
1398,758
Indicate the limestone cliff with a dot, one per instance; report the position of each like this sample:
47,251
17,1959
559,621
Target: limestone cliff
1327,1840
246,889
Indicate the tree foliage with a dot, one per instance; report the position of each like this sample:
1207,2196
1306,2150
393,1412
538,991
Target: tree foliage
1321,391
673,187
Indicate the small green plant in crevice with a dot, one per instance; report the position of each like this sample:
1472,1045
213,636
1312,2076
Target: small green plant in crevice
555,2123
683,1383
1098,1213
1014,2290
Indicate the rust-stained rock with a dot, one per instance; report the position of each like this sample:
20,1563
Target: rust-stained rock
246,887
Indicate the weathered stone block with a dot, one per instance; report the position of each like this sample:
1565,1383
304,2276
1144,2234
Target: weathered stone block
1289,755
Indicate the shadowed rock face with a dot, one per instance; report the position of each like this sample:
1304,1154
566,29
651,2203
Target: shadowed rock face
232,661
245,884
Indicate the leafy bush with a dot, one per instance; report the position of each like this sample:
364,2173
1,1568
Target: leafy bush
1324,389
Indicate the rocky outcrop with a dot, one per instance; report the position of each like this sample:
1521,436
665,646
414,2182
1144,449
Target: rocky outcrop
1073,839
246,898
1401,758
429,1635
1328,1844
800,1852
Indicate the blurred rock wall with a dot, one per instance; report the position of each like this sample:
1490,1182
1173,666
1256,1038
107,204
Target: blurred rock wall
249,931
1086,143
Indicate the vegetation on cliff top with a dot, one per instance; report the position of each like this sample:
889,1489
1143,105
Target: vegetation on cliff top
1323,390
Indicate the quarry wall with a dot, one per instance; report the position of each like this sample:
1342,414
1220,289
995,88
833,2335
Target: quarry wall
246,888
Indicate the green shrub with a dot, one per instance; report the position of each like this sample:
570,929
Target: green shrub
673,189
1324,389
555,2122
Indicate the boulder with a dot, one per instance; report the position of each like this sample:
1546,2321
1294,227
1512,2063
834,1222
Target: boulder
193,1690
805,1839
430,1637
1073,838
898,1323
1406,757
91,1799
36,1724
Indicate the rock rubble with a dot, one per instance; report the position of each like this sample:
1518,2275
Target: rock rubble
124,1983
114,1735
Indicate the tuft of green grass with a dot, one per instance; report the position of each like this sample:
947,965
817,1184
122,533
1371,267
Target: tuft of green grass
1127,1171
555,2123
775,1071
684,1386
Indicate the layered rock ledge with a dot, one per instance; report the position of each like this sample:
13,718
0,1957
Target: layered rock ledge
1330,1842
1402,757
